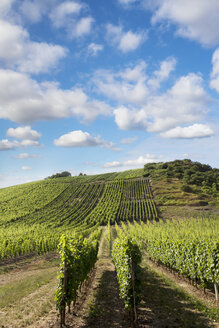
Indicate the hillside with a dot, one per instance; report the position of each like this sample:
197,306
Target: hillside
184,188
84,202
137,204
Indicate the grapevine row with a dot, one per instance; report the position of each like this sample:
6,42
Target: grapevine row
190,248
78,257
126,257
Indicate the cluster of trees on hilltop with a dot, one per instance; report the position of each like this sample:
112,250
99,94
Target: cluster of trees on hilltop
191,173
63,174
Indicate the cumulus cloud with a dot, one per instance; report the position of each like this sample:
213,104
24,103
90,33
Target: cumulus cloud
124,41
184,103
18,52
141,104
5,144
133,74
189,132
196,20
128,119
139,162
30,143
133,85
34,10
64,11
67,15
94,48
82,139
26,156
5,7
214,83
166,67
125,86
23,132
26,168
82,27
29,138
28,101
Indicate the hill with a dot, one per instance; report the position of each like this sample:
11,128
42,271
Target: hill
34,215
137,204
183,187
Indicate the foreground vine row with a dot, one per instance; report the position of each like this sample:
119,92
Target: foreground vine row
78,256
190,247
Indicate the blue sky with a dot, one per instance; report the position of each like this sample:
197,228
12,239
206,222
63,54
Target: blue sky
101,86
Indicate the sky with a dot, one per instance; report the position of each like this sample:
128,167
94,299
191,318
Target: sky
103,86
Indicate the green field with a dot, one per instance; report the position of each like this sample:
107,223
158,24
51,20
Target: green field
33,216
160,213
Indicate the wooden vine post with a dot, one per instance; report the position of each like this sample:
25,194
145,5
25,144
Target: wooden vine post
216,291
62,309
133,292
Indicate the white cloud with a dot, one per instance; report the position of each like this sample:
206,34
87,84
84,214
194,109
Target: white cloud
94,48
62,12
5,6
33,10
66,15
40,57
184,103
130,41
124,41
28,101
113,164
30,143
17,51
139,162
141,105
125,86
26,168
134,74
5,144
132,85
166,67
128,119
26,156
189,132
214,83
127,2
196,19
82,27
24,132
82,139
128,141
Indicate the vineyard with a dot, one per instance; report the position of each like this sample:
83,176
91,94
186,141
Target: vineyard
50,208
77,215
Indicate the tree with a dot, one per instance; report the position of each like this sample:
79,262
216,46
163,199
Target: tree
63,174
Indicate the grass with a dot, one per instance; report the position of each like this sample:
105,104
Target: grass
14,291
27,291
39,262
170,304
